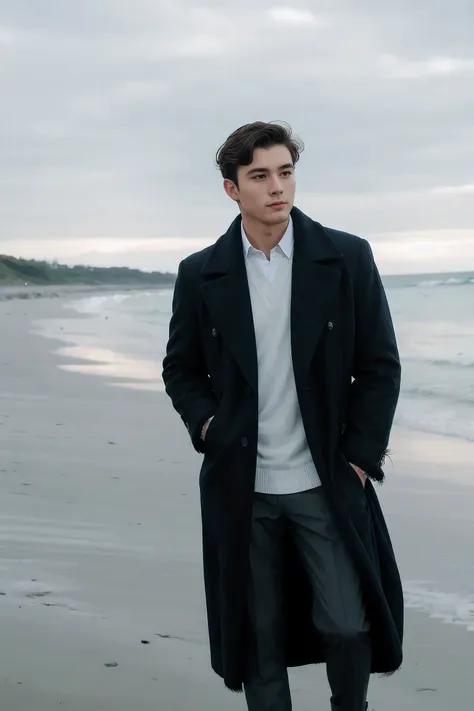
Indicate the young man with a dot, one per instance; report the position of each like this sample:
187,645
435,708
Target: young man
283,364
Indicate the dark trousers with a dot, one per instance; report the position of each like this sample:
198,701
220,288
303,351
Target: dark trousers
338,611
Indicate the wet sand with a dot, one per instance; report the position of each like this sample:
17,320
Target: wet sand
100,548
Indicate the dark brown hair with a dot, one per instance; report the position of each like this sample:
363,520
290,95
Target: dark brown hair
239,148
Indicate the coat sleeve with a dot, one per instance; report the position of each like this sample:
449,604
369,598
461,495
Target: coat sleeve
185,372
376,373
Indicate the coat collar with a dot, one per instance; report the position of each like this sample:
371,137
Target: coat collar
311,241
315,281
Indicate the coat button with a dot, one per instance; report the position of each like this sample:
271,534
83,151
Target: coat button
330,325
214,332
248,391
244,442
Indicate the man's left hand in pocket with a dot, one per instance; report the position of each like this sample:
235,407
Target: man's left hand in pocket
361,474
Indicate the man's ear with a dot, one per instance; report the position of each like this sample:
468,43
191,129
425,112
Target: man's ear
231,189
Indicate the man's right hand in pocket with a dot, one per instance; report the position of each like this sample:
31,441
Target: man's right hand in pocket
205,428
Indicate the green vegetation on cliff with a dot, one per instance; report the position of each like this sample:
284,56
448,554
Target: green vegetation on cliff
31,271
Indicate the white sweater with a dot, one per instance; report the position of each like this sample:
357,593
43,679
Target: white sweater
284,462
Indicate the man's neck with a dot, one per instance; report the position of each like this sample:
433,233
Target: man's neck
263,237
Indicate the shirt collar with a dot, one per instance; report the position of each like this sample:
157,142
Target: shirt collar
285,245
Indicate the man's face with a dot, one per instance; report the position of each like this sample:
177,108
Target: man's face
266,188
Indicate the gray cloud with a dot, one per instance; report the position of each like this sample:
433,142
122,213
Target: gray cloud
112,111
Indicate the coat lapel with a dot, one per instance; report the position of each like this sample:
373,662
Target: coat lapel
226,293
315,283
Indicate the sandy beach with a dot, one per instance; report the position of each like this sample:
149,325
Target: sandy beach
101,595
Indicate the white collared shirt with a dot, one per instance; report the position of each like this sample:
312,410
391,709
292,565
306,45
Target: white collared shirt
284,464
283,250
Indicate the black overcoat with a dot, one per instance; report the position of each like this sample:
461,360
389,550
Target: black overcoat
347,375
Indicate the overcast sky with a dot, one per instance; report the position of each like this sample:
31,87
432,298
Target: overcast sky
112,111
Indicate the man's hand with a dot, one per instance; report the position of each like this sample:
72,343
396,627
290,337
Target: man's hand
362,475
205,428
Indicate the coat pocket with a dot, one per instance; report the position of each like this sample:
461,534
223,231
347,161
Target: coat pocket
350,474
215,439
210,441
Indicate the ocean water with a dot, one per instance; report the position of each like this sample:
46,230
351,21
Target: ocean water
434,322
123,337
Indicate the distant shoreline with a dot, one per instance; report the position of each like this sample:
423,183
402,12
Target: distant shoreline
54,291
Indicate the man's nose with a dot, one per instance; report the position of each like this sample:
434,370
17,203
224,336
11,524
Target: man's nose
275,187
